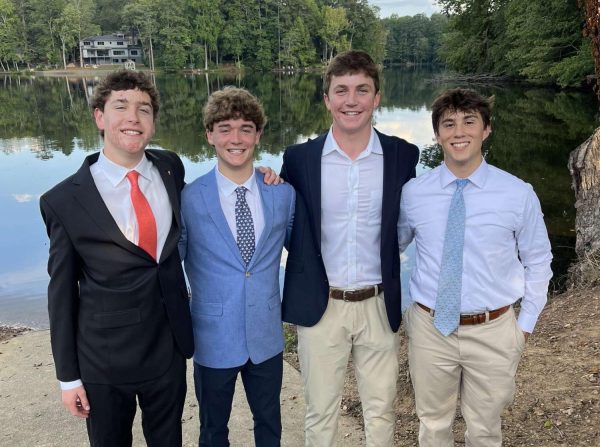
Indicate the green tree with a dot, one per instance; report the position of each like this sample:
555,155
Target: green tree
8,34
298,49
335,23
143,15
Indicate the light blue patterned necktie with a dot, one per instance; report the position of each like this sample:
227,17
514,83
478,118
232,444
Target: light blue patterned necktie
447,304
244,225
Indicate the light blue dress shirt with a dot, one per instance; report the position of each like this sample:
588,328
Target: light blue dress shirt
506,250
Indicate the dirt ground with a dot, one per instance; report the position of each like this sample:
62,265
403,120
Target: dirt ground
557,402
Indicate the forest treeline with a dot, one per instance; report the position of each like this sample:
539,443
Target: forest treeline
539,40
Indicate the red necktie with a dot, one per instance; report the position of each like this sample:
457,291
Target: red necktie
144,216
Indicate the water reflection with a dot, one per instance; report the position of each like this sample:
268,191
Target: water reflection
46,130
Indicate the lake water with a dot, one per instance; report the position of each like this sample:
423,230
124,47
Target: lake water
46,130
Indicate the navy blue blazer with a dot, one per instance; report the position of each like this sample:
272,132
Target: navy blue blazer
306,288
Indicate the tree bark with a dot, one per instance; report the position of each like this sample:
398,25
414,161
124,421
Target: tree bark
584,165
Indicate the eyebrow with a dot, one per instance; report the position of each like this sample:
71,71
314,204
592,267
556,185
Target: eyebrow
126,101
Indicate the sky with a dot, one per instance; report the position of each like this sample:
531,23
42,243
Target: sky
405,7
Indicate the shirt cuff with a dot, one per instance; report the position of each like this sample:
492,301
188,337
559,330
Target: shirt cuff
65,386
527,321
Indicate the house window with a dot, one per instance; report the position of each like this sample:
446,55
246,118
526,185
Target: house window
100,43
115,61
85,42
102,52
120,43
118,52
133,52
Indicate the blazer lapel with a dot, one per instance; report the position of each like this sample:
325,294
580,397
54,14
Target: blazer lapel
210,194
313,176
166,174
268,205
88,196
390,180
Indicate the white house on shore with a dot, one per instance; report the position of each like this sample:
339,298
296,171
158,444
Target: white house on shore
110,49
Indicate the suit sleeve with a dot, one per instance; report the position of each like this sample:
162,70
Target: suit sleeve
63,295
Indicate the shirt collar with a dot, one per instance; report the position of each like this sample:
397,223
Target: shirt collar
227,187
373,146
477,178
115,173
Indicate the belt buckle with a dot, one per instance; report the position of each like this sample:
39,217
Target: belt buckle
344,293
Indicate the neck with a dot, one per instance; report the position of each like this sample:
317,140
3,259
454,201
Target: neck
127,162
463,171
352,143
237,176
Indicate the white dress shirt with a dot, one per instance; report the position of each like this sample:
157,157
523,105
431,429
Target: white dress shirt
114,188
228,197
506,251
351,194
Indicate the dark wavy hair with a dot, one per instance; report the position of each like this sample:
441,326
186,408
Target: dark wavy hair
351,62
463,100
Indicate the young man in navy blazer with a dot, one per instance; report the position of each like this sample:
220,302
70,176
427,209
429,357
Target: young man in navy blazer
120,323
235,229
342,279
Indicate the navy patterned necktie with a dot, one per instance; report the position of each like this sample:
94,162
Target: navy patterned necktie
447,304
244,225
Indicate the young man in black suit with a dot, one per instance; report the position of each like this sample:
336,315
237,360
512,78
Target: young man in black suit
119,315
342,281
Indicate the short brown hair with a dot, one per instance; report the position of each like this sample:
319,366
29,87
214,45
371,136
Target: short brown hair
125,80
463,100
233,103
351,62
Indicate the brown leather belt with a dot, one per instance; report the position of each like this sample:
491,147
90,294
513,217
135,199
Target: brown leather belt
356,294
466,320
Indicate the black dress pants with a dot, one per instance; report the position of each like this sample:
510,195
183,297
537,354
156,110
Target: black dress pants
215,388
161,400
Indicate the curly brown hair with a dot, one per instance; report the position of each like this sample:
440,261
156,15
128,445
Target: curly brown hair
233,103
125,80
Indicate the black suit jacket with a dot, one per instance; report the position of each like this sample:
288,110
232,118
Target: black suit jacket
116,315
306,288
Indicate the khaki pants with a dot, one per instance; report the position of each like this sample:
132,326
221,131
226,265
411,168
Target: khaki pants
360,328
479,361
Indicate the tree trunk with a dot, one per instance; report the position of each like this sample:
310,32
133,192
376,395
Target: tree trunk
64,58
584,165
205,57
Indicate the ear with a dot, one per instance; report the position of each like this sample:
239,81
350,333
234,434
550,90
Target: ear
209,137
486,132
326,100
377,99
99,118
257,137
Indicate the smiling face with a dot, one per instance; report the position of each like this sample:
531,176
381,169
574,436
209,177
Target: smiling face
461,135
351,100
128,124
234,141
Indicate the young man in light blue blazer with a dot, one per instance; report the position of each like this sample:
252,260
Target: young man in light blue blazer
235,227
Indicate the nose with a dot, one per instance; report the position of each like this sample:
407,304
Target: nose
133,115
351,98
459,129
236,136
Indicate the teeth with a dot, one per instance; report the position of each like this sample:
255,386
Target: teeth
460,145
235,151
351,113
131,132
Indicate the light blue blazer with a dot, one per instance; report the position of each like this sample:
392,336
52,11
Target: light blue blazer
236,310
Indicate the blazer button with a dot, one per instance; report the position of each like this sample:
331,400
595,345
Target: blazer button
248,274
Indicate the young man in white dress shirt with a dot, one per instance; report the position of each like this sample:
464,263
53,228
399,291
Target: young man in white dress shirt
503,254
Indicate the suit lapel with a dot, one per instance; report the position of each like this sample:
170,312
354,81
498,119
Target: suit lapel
166,174
268,205
212,202
89,198
390,179
313,176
